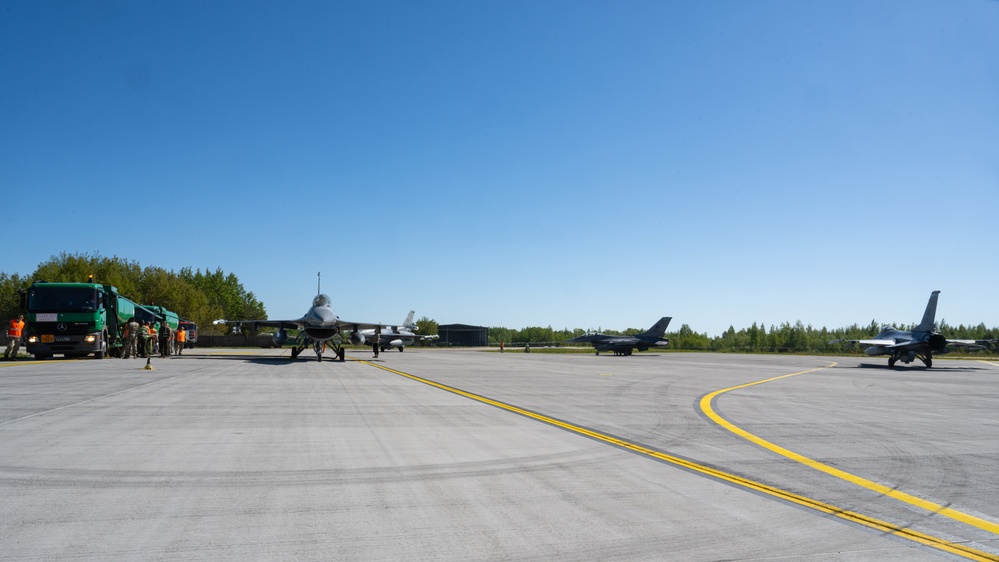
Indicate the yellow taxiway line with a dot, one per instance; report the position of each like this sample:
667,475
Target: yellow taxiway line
861,519
706,407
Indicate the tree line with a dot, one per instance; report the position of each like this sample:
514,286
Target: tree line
200,297
783,338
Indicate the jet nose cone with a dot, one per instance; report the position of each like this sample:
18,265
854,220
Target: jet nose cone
321,315
326,314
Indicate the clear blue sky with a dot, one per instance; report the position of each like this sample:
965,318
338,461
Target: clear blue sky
519,163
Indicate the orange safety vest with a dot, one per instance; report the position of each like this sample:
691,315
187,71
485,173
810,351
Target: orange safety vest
15,329
181,336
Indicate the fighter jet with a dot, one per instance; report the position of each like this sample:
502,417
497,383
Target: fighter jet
320,326
922,342
622,345
396,336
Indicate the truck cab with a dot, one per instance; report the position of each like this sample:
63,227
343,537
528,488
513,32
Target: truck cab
72,319
192,332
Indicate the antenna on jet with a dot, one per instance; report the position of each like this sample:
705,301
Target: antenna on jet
319,283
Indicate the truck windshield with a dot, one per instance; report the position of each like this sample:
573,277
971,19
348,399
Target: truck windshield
63,299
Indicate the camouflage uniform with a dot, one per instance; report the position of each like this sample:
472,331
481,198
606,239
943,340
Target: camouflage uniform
131,336
166,337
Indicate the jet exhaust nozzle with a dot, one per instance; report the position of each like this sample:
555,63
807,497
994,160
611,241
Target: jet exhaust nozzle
937,343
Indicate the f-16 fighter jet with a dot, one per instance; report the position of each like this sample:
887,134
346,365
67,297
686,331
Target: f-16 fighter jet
921,343
623,345
319,326
398,336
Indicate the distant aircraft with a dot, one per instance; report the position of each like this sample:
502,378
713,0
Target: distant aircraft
397,336
922,342
622,345
320,326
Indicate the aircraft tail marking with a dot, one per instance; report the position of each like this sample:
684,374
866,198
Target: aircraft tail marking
659,328
929,316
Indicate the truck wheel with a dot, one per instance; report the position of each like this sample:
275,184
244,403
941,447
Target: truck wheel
104,348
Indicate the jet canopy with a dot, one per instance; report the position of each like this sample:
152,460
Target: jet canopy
321,300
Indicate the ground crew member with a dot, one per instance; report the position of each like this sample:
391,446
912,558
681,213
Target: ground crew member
165,338
143,335
14,337
179,341
131,335
151,332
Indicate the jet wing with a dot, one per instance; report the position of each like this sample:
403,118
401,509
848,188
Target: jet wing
255,324
621,340
888,343
297,324
972,344
360,325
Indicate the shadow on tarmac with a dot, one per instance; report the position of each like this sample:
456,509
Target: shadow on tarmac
277,359
920,368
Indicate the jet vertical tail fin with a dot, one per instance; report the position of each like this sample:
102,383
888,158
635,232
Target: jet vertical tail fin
930,315
409,319
660,327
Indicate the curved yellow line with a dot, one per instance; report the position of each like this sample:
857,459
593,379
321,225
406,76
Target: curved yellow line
853,479
859,518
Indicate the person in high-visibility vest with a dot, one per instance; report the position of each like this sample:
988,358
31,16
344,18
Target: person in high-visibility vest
143,335
179,341
14,333
151,335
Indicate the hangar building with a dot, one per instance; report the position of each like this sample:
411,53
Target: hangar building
462,335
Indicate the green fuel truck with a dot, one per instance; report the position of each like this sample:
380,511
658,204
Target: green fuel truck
74,319
154,314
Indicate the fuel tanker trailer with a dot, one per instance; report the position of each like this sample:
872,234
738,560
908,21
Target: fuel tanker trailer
155,314
74,319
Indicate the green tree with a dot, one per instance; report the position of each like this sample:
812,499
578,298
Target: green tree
224,293
426,327
687,338
10,298
124,275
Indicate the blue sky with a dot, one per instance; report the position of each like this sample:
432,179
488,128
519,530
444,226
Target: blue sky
565,163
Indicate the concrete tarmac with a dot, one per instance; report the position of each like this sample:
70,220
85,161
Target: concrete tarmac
473,455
